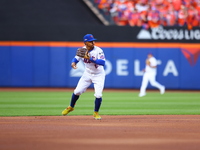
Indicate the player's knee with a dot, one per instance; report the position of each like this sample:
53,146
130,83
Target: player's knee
98,95
153,84
77,92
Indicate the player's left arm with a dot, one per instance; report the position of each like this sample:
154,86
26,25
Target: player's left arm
100,59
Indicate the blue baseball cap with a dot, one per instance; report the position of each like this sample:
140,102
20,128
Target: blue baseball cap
88,37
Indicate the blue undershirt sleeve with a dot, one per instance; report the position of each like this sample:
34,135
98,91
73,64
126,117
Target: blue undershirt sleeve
98,61
75,60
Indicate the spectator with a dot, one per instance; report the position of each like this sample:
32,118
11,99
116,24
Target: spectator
118,12
171,16
134,18
162,8
153,18
187,3
192,18
142,6
182,16
177,4
197,7
104,5
153,13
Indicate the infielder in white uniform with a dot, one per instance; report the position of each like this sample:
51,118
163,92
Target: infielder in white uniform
150,72
94,73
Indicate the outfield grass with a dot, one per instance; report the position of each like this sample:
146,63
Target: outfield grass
114,103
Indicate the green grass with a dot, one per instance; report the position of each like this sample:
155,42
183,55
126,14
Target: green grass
114,103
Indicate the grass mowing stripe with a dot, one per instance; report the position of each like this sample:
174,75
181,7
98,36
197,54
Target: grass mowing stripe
114,103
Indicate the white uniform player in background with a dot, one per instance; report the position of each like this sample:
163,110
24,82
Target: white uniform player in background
150,72
94,73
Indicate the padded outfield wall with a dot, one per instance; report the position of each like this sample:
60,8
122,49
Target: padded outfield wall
47,64
39,39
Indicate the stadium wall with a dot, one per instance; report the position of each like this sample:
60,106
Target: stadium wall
47,64
53,31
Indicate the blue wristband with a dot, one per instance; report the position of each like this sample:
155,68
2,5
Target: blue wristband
74,60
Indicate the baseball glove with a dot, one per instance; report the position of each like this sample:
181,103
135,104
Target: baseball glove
82,52
148,62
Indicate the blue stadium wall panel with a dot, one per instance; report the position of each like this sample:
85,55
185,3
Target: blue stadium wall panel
48,65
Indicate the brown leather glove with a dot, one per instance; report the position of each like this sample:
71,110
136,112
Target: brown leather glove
82,52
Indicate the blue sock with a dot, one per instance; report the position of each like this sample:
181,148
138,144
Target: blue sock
74,99
97,104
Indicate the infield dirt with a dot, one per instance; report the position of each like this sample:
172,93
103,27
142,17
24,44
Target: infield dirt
139,132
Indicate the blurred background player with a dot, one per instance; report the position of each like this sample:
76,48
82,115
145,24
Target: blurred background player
94,73
150,72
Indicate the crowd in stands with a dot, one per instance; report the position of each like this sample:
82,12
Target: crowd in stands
152,13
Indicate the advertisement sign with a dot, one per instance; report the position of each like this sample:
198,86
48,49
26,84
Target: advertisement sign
168,34
49,66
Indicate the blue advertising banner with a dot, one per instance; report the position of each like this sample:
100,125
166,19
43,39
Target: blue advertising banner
49,66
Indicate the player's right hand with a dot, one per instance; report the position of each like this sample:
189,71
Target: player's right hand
73,65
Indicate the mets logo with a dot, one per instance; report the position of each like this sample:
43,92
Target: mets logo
191,54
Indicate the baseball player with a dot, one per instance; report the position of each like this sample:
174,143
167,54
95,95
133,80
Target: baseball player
150,72
94,61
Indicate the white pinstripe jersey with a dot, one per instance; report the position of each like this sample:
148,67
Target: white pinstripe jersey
91,67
